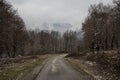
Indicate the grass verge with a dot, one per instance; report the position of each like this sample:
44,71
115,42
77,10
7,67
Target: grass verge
15,71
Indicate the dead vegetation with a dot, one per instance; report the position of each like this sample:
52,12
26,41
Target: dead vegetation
107,63
16,60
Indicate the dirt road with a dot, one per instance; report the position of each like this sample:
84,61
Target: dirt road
58,69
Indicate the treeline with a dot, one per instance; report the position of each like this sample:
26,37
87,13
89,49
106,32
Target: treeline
44,42
16,40
101,32
102,27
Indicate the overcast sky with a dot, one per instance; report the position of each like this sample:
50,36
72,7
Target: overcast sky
37,13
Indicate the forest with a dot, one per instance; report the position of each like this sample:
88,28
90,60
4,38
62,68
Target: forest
16,40
100,31
98,40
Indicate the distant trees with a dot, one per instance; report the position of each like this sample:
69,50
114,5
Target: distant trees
44,42
70,40
56,42
102,27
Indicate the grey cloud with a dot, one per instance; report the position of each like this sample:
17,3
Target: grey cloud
38,12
